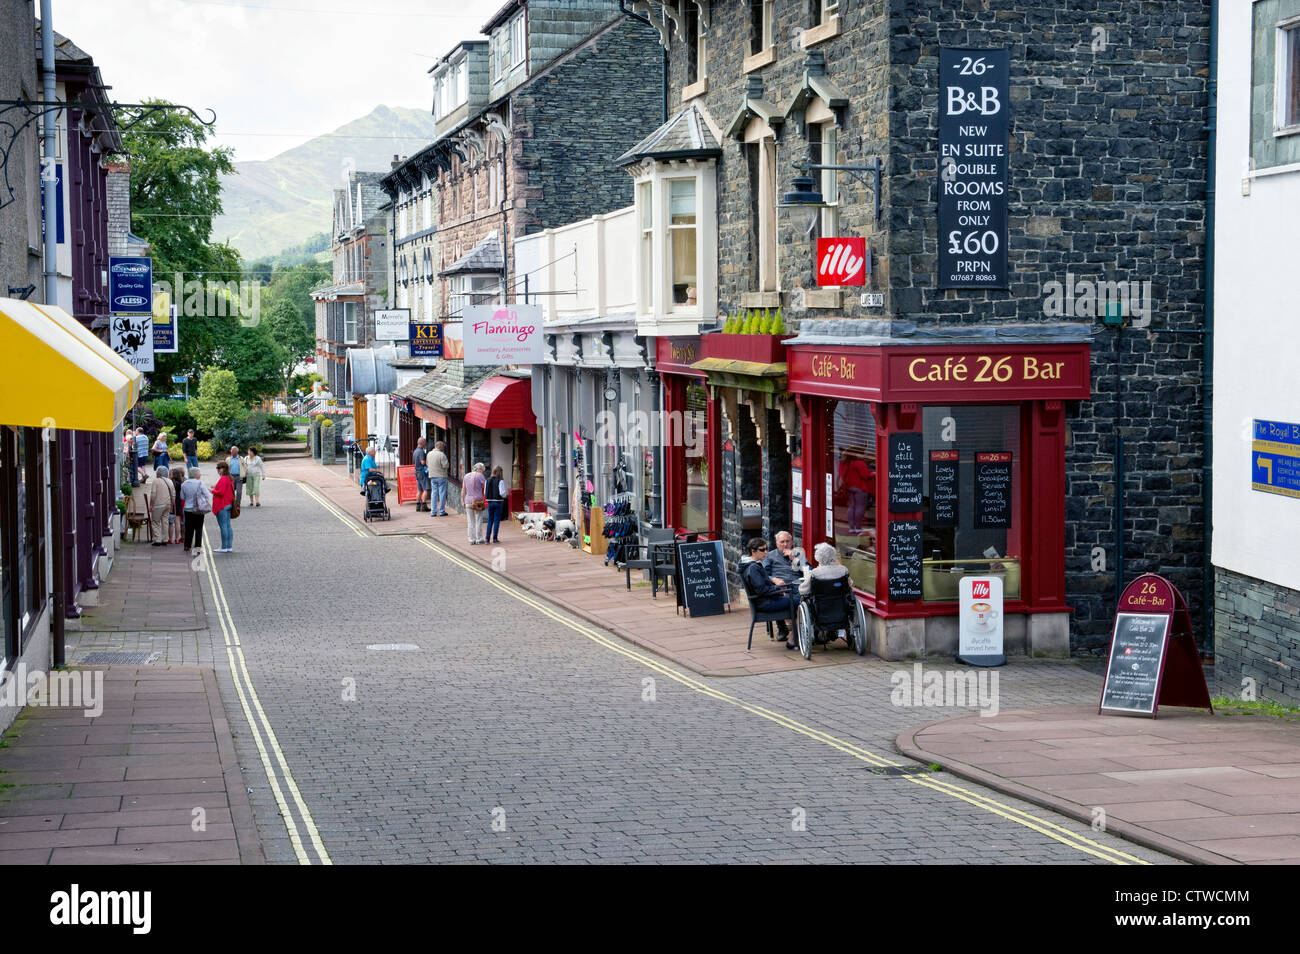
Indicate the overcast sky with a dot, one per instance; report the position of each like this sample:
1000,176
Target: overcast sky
277,72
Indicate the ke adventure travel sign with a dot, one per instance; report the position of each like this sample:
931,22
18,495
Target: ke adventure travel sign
425,339
974,127
1153,656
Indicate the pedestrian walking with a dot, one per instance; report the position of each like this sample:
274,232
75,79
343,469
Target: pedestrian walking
439,471
421,461
190,448
223,499
198,503
177,520
128,451
160,493
495,494
160,456
254,471
472,489
142,450
234,465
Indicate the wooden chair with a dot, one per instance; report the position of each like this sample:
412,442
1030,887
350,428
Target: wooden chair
137,514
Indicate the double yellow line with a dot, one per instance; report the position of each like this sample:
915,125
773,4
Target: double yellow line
934,783
261,725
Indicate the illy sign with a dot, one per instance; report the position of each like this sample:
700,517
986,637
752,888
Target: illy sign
842,261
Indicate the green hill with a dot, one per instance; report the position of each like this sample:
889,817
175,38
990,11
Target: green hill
281,202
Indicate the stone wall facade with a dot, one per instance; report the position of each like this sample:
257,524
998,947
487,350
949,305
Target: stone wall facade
1107,181
1257,637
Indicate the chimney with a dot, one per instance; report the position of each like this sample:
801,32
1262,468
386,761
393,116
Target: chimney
396,162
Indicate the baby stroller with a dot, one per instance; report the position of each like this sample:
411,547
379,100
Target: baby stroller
375,489
828,609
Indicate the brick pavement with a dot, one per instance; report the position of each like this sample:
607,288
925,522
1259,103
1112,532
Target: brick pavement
582,584
1213,789
152,779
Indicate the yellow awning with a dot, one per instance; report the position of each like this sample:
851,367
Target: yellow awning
58,374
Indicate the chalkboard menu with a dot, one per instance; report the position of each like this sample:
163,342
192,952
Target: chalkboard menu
729,494
943,488
905,473
702,577
993,491
905,559
1133,673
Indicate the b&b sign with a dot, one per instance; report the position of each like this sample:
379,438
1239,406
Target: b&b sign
842,261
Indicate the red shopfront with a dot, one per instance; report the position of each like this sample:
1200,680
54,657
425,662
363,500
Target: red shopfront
970,442
692,458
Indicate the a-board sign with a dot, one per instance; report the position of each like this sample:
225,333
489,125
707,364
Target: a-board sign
905,559
729,494
406,486
993,475
1153,656
702,577
906,475
980,619
944,509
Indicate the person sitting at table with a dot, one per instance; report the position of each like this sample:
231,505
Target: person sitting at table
787,561
769,593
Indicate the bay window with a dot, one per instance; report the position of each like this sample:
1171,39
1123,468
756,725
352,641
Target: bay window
473,290
677,257
682,242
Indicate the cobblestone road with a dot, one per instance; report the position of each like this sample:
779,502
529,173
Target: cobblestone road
510,736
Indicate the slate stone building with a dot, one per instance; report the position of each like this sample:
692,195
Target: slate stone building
1105,170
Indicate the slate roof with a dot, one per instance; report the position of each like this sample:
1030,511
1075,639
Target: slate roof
685,136
442,388
486,256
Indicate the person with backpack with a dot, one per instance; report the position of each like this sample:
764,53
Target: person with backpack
197,501
495,495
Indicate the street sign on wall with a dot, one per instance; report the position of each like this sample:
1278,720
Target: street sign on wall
130,285
974,147
842,261
1275,458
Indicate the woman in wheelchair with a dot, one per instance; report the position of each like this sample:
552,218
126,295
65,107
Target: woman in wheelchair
828,609
828,567
768,592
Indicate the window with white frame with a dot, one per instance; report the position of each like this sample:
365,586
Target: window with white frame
761,35
761,156
518,40
646,216
823,140
350,322
473,290
821,11
1288,77
683,242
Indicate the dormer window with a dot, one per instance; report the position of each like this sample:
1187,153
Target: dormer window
518,46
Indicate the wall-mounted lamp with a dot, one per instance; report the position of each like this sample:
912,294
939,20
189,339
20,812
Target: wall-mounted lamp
805,201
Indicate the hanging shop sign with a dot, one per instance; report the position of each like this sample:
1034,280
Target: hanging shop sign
842,261
425,338
974,146
1153,656
392,324
165,331
130,285
1275,458
503,334
131,336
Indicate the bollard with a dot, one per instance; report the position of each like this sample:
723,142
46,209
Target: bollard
327,442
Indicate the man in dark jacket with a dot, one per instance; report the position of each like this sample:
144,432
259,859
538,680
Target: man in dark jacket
769,592
787,561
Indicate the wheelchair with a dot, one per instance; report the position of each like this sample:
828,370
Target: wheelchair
829,608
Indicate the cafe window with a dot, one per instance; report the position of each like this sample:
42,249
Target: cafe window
852,454
695,437
971,502
682,241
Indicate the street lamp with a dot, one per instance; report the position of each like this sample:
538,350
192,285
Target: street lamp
805,202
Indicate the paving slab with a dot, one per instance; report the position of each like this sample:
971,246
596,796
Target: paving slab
1206,788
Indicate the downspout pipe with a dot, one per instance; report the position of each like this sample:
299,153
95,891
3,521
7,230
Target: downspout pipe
54,442
1207,356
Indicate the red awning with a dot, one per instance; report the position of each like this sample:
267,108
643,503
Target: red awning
503,402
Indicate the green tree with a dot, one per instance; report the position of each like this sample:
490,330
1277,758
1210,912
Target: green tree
252,355
218,402
292,339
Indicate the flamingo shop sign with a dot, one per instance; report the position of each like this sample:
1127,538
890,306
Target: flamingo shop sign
503,334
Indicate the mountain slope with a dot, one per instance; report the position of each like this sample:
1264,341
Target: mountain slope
280,202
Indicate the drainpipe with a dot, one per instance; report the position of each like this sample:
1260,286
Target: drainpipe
54,445
1207,355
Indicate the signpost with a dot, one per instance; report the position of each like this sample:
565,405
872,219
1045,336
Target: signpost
702,578
164,324
1153,656
1275,458
974,148
730,496
979,642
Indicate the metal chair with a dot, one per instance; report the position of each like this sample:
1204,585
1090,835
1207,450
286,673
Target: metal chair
653,552
769,617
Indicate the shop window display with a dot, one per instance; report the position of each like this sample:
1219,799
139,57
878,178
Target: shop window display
852,454
695,509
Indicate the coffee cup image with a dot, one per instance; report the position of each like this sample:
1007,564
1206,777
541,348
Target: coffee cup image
984,617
